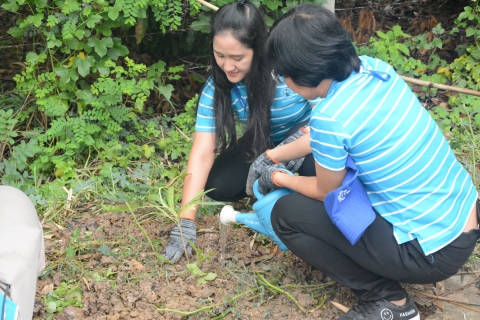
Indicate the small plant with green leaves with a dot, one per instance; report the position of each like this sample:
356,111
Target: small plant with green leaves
200,276
178,142
201,256
65,295
108,275
79,244
390,48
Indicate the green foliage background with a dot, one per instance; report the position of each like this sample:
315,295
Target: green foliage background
79,116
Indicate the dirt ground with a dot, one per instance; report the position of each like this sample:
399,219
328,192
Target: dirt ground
121,278
124,280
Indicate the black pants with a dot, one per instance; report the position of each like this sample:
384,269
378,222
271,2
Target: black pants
229,173
374,267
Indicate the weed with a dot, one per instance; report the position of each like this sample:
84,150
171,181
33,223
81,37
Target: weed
200,276
65,295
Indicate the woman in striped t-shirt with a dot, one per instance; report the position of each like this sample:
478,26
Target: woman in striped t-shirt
240,88
388,176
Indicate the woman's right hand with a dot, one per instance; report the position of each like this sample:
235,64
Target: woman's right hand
199,165
179,241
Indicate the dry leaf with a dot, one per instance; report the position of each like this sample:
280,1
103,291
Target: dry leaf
252,242
86,283
274,250
439,304
47,289
137,265
252,245
340,306
47,236
346,22
440,288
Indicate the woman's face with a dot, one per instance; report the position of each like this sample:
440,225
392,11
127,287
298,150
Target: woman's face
232,56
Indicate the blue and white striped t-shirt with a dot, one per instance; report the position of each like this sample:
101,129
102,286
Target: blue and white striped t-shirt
407,167
287,110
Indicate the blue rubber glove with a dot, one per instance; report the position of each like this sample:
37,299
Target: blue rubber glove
264,161
175,247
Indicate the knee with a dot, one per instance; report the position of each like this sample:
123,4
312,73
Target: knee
214,184
225,192
16,207
280,213
215,194
11,194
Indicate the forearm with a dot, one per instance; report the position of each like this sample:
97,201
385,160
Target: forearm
199,165
303,185
294,150
316,187
193,184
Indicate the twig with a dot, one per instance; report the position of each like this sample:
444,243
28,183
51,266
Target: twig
208,5
187,313
182,133
440,86
277,289
21,45
159,257
464,304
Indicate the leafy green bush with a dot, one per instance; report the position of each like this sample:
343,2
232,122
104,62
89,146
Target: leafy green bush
88,96
82,103
86,101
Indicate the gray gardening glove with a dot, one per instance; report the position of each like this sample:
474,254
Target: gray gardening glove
175,248
266,182
263,161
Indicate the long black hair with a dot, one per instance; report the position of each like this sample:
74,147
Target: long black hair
308,44
246,24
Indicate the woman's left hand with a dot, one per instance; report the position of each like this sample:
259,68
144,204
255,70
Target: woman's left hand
266,182
264,160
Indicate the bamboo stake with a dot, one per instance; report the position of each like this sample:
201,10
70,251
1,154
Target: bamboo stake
440,86
452,301
208,5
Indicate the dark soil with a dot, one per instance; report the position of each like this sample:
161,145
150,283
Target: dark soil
124,280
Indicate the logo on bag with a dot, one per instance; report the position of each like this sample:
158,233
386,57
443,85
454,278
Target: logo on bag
342,195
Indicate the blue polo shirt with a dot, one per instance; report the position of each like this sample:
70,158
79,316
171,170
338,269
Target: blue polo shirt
407,167
287,110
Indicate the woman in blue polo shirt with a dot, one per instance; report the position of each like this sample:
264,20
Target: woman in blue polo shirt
368,126
239,89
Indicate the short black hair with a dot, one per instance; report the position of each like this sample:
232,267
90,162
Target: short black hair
308,44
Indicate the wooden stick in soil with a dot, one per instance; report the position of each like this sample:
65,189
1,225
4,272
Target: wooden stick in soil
208,5
440,86
452,301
